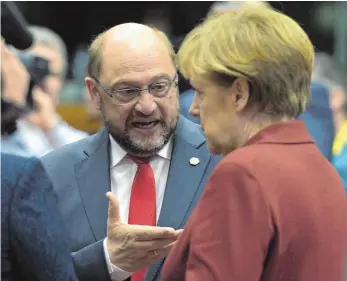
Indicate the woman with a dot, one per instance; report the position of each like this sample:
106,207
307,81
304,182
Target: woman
274,209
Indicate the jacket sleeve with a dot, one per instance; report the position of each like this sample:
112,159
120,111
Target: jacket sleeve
38,237
90,263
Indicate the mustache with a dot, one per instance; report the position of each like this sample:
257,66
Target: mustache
140,117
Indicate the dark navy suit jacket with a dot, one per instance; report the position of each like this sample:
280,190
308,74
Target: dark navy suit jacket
81,193
318,117
33,245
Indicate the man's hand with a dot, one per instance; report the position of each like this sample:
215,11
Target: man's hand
45,115
134,247
16,77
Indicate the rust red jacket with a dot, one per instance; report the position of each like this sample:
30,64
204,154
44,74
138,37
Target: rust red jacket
274,210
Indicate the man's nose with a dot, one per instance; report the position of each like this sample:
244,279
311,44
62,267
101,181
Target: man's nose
146,104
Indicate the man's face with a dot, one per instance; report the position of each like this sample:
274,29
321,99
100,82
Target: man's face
143,126
53,83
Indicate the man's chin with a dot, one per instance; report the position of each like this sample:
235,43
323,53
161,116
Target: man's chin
151,143
142,144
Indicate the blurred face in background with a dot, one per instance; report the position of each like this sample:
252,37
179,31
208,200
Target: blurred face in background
53,83
337,98
144,125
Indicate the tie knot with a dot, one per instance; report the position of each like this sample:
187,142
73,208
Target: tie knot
139,160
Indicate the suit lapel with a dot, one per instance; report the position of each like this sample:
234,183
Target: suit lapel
183,180
93,178
182,184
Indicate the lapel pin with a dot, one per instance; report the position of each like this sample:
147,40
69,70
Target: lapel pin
194,161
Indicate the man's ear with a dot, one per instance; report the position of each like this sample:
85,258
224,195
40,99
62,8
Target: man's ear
240,94
93,91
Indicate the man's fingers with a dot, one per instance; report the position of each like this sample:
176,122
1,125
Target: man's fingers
147,233
179,232
113,209
39,95
151,245
161,253
168,247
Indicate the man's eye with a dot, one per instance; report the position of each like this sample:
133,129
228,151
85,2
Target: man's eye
128,92
159,86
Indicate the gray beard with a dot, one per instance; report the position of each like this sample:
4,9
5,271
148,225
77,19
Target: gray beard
144,147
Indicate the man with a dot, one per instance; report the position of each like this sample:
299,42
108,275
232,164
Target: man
43,130
132,79
33,245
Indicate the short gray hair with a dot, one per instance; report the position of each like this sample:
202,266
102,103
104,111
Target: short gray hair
45,36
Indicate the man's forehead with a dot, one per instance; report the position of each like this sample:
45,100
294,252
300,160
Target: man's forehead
127,76
132,46
122,62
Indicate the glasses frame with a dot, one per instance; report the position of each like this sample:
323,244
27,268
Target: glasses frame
111,93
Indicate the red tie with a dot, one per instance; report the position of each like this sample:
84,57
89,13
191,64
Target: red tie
142,209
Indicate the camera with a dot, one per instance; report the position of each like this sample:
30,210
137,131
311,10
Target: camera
16,33
38,68
14,29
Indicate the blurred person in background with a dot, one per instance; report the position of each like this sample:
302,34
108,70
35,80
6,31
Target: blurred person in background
274,208
14,84
318,119
328,72
79,67
43,130
33,245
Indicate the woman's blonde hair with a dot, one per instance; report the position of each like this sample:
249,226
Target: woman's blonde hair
266,47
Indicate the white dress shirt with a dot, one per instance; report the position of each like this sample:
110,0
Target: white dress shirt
122,174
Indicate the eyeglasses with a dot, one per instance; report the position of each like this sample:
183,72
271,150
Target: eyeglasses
131,95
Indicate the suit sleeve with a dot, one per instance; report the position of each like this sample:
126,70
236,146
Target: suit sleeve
38,237
90,263
232,229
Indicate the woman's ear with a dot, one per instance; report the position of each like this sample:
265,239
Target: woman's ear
240,94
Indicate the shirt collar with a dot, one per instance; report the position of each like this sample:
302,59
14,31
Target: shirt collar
118,153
